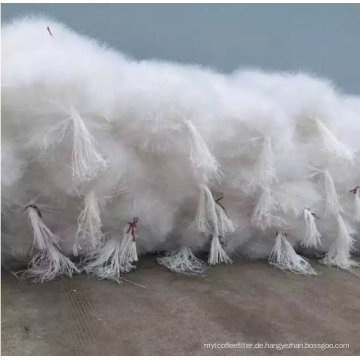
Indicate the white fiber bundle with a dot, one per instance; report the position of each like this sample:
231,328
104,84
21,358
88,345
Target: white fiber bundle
105,158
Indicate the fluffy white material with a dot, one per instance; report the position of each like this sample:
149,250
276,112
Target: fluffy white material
108,158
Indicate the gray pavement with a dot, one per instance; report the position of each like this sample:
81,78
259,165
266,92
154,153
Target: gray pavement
246,303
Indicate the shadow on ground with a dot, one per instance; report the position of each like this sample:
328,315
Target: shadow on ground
246,303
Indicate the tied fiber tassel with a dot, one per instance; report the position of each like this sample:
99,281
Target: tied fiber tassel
312,235
264,176
339,252
332,201
264,172
206,216
49,262
262,216
86,160
113,257
89,222
104,261
211,214
128,253
182,261
217,253
225,225
356,203
331,142
208,222
200,155
284,257
42,234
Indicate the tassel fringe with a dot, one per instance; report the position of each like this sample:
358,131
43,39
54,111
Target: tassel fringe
264,173
104,261
206,216
264,176
212,219
43,237
332,201
200,155
128,253
332,144
182,261
312,235
211,216
339,253
89,222
114,257
49,262
217,253
284,257
225,225
262,216
86,159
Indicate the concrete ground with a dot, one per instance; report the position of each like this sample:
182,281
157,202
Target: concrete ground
246,303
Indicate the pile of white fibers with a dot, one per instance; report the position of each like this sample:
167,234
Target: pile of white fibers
105,158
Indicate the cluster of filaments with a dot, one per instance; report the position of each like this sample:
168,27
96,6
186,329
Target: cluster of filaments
226,194
110,256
